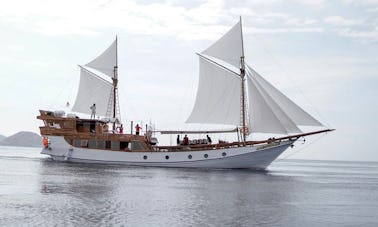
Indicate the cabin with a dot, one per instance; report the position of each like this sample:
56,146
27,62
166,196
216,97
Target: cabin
90,133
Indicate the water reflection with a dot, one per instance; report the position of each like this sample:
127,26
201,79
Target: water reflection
158,196
38,191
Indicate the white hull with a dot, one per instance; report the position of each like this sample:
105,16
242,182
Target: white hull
255,157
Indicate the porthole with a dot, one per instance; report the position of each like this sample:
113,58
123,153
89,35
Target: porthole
224,154
190,156
206,155
145,157
167,157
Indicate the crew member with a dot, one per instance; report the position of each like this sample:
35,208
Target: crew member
137,129
93,111
208,139
186,140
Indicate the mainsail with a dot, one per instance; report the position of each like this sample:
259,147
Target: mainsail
220,92
93,89
218,96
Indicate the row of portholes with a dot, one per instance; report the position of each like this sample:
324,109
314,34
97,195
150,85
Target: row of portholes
189,156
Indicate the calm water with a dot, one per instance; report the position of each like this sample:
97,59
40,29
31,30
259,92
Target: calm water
35,191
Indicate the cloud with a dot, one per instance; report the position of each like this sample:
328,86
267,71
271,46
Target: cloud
255,30
365,30
367,35
372,10
361,2
341,21
203,20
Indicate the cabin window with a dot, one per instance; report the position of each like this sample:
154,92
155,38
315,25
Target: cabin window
224,154
190,156
206,155
145,157
107,144
135,145
84,143
123,145
167,157
77,143
100,144
115,145
92,144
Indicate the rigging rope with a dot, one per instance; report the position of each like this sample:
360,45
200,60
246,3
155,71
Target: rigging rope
301,149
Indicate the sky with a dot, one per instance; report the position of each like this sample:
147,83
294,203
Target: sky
322,54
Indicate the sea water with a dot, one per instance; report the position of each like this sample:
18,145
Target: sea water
36,191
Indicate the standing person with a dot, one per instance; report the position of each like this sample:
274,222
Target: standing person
137,129
93,109
208,139
178,139
121,129
186,140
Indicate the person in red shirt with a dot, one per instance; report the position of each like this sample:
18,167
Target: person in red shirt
137,129
186,140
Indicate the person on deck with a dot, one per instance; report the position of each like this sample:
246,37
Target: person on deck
121,129
178,139
208,139
186,140
137,129
93,110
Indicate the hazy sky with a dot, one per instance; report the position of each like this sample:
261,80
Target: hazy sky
322,54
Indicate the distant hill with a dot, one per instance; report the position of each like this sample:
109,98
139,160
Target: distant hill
22,139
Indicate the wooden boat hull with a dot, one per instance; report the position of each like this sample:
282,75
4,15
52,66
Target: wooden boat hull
253,157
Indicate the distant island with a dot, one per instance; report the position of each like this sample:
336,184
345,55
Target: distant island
22,139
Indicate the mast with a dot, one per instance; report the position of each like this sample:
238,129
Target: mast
243,99
115,84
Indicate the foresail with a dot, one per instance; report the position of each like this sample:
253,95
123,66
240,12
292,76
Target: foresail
271,111
92,90
218,96
229,47
106,61
296,113
265,114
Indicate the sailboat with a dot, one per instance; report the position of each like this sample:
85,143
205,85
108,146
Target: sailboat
230,92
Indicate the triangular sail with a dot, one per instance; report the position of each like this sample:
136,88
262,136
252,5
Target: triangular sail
229,47
296,113
218,96
92,90
265,114
270,111
106,61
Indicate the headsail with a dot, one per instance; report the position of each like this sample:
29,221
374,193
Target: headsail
297,115
92,89
106,61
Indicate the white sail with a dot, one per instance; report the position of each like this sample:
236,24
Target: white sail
92,90
229,47
264,113
296,113
106,61
218,96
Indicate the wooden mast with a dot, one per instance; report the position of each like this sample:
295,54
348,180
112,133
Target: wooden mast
243,101
115,84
